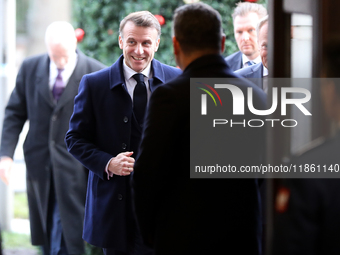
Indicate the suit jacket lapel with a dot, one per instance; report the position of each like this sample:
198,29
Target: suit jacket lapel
71,88
42,80
238,62
258,73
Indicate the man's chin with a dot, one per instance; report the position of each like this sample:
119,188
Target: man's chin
138,67
250,54
247,52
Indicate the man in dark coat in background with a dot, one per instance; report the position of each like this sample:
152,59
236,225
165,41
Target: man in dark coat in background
56,182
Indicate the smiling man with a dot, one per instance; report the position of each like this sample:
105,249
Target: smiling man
105,132
245,18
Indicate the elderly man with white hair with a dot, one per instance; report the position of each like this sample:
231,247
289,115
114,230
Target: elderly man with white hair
56,182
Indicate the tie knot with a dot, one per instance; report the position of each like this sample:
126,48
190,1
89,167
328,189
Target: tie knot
59,72
249,63
138,77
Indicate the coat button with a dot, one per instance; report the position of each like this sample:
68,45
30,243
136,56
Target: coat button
126,119
120,197
54,117
124,146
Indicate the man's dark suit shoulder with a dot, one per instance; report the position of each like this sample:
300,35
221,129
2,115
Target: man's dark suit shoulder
254,71
234,61
35,58
168,71
91,61
33,61
233,56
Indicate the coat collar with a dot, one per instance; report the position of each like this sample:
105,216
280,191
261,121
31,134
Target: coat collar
116,74
42,79
206,61
256,67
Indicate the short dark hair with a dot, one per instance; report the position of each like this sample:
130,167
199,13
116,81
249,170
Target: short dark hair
197,27
141,19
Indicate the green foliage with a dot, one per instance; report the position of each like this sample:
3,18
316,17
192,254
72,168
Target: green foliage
100,20
17,241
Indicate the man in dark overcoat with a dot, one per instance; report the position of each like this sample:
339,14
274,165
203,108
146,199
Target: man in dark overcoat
56,183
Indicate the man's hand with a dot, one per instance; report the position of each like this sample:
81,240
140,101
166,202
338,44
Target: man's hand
5,169
122,164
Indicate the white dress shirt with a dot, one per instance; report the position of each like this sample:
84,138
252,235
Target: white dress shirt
66,74
245,59
265,79
131,82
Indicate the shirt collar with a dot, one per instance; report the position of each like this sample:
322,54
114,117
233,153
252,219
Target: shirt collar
128,72
72,61
246,59
265,71
66,74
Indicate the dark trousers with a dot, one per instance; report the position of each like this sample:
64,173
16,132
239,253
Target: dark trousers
56,243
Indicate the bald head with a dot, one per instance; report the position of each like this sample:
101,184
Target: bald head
61,43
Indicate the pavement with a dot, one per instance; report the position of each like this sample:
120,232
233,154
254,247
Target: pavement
20,251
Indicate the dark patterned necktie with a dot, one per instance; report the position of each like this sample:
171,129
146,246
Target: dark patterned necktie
59,86
139,98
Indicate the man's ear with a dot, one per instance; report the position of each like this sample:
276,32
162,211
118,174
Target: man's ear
223,43
120,41
175,45
157,44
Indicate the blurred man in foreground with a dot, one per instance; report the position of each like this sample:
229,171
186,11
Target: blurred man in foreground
176,214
